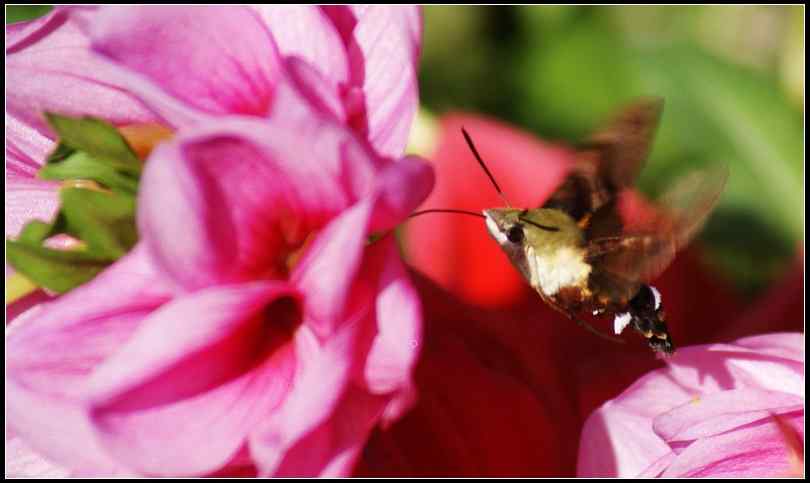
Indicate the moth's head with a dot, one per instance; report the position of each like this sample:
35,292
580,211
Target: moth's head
512,227
505,226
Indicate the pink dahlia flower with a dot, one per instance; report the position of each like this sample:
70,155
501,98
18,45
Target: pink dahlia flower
252,325
722,410
253,329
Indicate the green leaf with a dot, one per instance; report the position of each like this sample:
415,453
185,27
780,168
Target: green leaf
96,138
80,165
57,270
104,221
35,232
19,13
62,152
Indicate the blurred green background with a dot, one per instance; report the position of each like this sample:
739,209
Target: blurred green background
732,76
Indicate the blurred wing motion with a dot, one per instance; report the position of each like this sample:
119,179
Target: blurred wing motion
610,160
607,164
641,254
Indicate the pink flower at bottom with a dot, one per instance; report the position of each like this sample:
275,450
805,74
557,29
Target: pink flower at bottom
253,329
722,410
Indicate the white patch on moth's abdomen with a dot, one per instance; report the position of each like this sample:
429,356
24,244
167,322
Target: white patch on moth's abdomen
553,268
621,321
656,296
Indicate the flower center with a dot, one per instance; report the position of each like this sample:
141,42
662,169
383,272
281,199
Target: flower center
144,137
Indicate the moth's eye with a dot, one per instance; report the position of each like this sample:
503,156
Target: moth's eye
515,234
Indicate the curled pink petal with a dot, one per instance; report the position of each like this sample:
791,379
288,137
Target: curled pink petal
245,195
403,186
52,349
395,348
322,381
56,345
204,368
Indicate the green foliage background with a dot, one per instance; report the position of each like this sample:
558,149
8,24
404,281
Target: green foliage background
732,76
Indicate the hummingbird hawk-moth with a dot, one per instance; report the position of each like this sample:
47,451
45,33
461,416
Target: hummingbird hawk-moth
577,250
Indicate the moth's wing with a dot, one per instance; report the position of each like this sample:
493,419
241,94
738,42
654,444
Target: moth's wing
625,142
642,253
575,195
609,160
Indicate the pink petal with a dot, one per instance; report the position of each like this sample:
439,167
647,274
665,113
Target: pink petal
618,442
51,68
395,348
52,348
719,412
328,268
331,449
31,30
754,451
787,345
206,367
22,305
658,466
402,187
301,437
26,148
27,200
717,367
310,85
304,32
23,462
241,194
57,429
218,59
384,56
313,54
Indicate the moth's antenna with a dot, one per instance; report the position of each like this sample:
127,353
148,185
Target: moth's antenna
446,210
538,225
484,166
374,238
